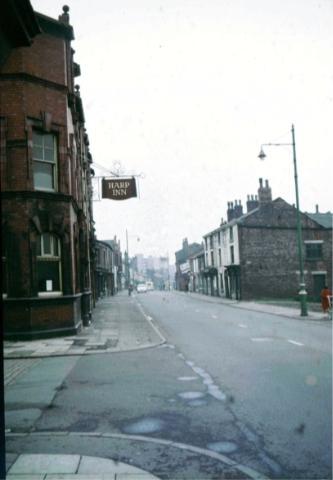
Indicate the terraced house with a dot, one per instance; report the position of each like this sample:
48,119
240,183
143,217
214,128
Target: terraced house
47,224
254,254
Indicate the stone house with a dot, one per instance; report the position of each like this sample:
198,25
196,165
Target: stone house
47,224
255,254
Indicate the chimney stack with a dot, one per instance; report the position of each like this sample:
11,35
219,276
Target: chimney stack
238,210
230,211
264,192
252,203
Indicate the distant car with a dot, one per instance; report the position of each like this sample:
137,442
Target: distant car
150,285
141,288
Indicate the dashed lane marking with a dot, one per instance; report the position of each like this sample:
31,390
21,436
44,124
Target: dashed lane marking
299,344
261,339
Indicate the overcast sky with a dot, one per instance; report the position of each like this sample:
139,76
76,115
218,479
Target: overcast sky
186,91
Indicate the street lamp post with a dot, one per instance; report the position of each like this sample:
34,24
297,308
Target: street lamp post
302,291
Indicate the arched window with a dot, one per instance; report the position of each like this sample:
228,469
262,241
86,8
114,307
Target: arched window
49,264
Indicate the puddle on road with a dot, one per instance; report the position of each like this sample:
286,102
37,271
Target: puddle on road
223,447
146,425
191,395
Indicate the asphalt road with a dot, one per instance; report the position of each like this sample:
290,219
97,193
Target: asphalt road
277,372
253,387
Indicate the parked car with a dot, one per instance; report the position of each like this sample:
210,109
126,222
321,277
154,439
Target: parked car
141,288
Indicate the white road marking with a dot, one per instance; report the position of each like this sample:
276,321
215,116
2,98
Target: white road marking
261,339
241,325
299,344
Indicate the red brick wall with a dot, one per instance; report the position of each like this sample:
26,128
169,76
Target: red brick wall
44,59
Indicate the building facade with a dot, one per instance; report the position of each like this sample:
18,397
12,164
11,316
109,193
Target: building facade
197,282
104,270
256,255
47,224
183,268
117,265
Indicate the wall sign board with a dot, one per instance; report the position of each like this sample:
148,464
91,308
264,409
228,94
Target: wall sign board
119,188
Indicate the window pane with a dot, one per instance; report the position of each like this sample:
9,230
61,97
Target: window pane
43,175
37,138
46,244
55,246
37,152
39,247
49,141
314,250
48,155
48,270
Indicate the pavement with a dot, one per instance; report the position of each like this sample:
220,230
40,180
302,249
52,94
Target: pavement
120,324
287,309
73,467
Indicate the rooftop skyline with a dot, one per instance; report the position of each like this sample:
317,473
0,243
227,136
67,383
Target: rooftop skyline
186,92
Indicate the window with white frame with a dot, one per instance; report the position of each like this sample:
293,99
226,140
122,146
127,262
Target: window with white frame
44,155
314,250
49,264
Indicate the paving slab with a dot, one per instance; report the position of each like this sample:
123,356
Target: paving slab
30,476
41,463
93,465
72,467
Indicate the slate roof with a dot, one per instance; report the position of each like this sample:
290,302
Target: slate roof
324,219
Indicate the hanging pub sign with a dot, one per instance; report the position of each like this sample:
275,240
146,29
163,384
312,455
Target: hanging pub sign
119,188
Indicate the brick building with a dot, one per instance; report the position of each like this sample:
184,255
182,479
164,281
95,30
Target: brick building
117,257
183,269
108,268
104,270
47,226
255,254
